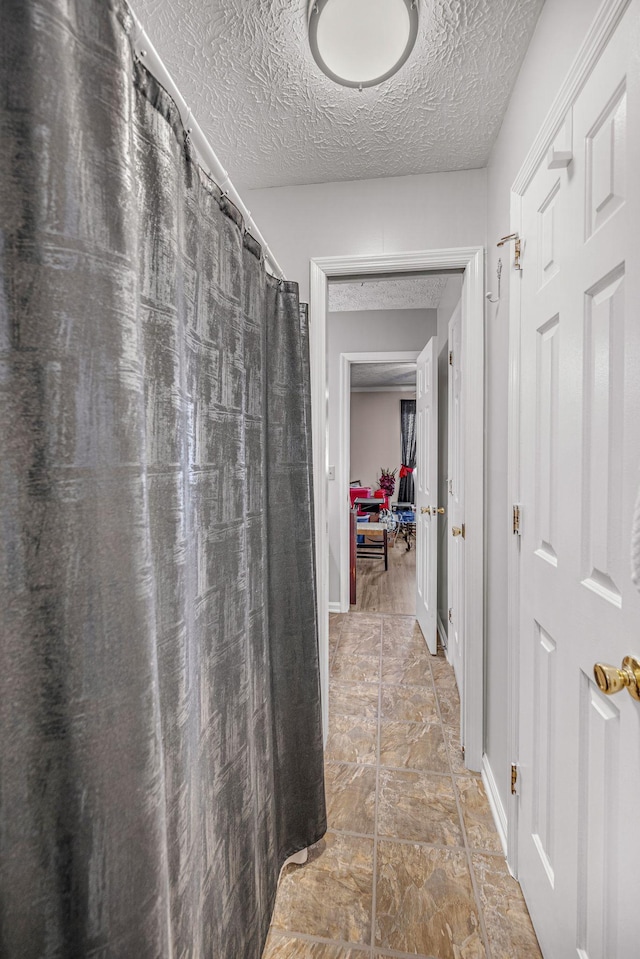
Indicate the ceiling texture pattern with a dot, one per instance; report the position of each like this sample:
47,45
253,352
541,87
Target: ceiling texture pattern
247,73
373,376
404,293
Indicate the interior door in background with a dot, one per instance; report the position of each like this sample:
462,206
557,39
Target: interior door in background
579,749
426,493
455,504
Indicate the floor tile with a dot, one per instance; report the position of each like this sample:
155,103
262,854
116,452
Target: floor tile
476,814
506,918
335,630
397,643
399,632
289,947
443,674
452,740
352,740
351,668
449,702
425,902
356,621
331,895
411,670
416,704
351,797
415,745
418,807
362,641
397,623
353,699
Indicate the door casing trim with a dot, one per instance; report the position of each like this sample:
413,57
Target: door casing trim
471,260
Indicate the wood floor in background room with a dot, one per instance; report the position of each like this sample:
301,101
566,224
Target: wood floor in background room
412,864
393,591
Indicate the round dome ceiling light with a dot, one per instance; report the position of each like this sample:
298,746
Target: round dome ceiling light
360,43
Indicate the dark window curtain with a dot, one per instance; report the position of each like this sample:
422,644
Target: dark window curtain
408,433
160,730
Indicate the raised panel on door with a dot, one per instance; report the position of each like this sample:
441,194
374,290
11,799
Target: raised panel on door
599,772
547,439
603,425
605,172
543,767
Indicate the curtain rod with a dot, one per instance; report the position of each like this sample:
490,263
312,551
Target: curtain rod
148,55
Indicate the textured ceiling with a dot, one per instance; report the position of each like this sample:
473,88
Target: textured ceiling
406,293
376,375
246,71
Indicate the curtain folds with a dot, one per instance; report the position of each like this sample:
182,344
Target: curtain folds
160,725
408,434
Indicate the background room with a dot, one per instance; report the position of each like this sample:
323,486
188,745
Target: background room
376,329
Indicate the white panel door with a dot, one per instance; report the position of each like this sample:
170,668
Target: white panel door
426,493
579,751
455,505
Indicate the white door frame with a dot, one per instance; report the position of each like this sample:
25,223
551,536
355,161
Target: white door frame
344,449
551,136
471,260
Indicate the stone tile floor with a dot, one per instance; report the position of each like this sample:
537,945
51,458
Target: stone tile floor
412,865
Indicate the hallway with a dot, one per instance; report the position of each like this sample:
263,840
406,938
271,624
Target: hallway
411,864
387,591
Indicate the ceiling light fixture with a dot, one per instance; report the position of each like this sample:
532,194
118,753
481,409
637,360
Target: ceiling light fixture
360,43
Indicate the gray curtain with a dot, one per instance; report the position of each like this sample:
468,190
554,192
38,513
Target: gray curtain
408,434
160,733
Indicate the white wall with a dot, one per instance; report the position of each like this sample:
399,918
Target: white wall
385,215
363,332
376,437
448,302
561,28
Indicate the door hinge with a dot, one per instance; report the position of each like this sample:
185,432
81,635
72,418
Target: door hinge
451,614
450,357
517,248
516,519
514,778
450,486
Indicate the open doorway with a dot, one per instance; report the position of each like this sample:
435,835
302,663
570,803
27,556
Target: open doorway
376,404
393,555
324,387
381,415
376,328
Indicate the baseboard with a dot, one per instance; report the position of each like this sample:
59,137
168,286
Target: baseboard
335,608
442,633
497,809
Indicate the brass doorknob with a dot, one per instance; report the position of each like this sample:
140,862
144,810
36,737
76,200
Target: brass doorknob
611,680
425,509
438,509
456,531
